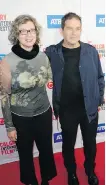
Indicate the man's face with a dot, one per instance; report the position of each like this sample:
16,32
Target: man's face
72,31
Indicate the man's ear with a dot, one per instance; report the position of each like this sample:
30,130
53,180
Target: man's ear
61,31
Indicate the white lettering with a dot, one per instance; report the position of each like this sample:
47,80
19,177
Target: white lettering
102,20
59,137
55,21
101,128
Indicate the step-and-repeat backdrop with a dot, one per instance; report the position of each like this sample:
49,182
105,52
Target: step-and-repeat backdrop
49,13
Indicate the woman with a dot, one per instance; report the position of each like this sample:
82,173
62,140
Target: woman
25,105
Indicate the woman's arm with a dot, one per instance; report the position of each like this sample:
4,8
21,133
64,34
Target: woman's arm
5,87
49,71
5,106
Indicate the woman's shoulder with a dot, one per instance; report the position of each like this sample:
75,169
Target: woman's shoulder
5,74
43,57
11,56
42,54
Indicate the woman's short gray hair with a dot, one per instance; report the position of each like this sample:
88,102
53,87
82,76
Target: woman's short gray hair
14,31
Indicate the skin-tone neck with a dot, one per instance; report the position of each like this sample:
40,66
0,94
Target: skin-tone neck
69,45
26,48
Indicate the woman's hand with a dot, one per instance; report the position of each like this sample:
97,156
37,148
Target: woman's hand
12,135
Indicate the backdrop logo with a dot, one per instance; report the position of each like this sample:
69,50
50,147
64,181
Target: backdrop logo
1,56
101,108
50,85
53,116
4,23
100,48
7,148
57,137
101,128
54,21
1,121
100,20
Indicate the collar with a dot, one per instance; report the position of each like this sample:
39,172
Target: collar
20,52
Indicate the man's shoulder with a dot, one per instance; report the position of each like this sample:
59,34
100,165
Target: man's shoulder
54,47
51,48
89,47
85,46
90,50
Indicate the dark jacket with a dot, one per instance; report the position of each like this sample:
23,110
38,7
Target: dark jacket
92,77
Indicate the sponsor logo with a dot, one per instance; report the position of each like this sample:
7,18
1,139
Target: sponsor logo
57,137
100,48
54,21
2,56
101,128
5,23
101,108
7,148
100,20
53,116
1,121
50,85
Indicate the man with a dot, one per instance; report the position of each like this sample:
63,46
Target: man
77,92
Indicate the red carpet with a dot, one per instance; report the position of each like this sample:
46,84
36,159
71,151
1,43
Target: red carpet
9,174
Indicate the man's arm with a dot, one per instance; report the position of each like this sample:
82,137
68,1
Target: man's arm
101,82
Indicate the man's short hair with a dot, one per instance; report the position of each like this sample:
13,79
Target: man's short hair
69,16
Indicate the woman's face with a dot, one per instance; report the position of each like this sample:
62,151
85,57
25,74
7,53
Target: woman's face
27,35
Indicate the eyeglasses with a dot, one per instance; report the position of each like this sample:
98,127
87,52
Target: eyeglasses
25,32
